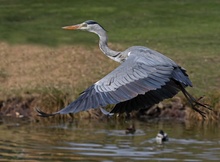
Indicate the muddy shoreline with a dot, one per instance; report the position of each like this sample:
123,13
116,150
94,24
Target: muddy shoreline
24,108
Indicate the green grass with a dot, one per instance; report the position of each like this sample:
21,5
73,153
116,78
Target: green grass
187,31
177,23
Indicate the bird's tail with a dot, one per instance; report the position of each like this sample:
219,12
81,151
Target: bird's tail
43,114
195,102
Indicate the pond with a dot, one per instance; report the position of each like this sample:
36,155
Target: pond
106,141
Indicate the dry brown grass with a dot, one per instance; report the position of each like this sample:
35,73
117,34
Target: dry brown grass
31,66
52,76
55,76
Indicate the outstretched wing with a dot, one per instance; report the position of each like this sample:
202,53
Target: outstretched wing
137,75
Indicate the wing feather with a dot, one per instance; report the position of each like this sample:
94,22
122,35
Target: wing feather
148,99
143,75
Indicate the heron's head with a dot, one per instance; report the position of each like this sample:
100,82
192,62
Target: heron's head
88,25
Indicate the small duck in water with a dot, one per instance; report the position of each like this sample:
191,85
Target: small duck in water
131,129
161,137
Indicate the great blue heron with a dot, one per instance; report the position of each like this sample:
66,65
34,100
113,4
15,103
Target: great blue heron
144,78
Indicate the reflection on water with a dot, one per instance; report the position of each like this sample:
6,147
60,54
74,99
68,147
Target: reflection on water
88,140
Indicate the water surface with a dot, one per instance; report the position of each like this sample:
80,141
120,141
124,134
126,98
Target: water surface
106,141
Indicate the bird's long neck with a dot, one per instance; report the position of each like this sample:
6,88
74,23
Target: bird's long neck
103,45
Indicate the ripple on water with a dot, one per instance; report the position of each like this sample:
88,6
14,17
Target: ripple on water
101,143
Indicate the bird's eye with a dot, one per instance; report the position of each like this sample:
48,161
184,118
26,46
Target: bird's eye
84,25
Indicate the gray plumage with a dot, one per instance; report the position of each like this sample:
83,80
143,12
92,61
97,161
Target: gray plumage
144,78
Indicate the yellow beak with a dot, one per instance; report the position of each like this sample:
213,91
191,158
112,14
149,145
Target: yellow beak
72,27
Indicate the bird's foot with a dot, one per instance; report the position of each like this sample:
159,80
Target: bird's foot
197,103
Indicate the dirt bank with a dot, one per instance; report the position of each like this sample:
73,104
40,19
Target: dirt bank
49,78
24,108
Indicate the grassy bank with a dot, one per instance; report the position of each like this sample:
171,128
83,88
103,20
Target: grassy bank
50,78
36,56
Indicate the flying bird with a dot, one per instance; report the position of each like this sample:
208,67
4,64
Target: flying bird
144,78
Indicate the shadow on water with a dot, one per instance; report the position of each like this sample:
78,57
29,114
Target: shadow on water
93,140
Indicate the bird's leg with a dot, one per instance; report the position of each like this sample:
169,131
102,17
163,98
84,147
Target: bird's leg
193,102
196,102
194,105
